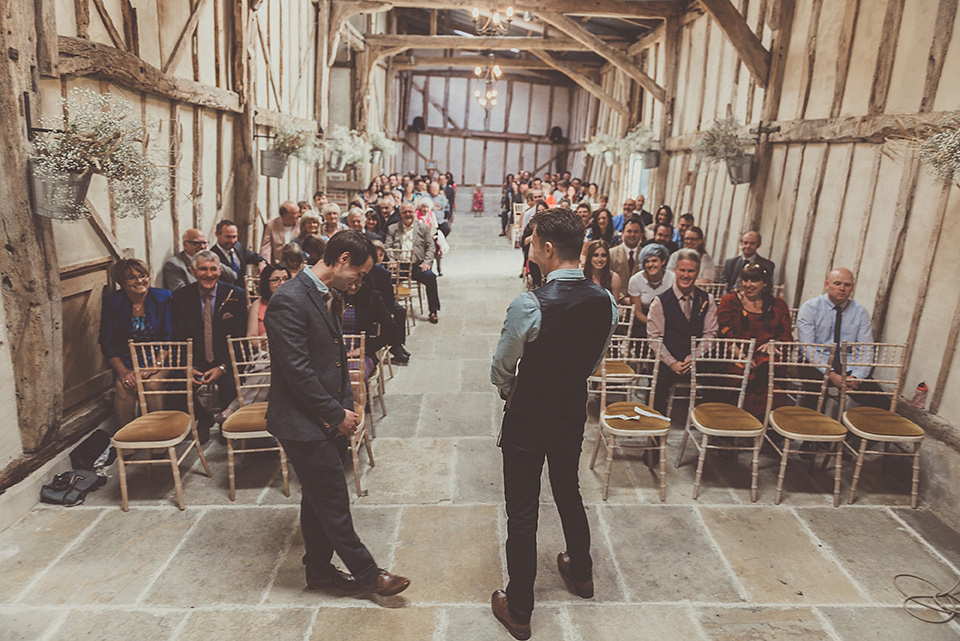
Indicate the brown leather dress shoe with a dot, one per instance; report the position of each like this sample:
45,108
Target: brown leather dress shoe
501,610
339,580
386,584
583,589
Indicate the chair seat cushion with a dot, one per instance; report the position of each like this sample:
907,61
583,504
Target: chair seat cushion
249,418
803,422
615,369
403,292
721,417
643,424
162,425
875,422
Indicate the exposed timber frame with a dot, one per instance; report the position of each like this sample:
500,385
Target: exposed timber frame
584,82
748,46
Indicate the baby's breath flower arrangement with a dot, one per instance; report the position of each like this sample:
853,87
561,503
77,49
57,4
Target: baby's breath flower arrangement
347,147
722,141
600,143
638,140
299,142
98,134
380,142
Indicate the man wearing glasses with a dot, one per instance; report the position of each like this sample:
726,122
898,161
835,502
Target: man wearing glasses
176,270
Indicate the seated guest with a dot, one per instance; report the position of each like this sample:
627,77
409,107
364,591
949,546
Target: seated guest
441,207
371,226
383,283
304,207
176,269
313,246
271,278
645,216
732,267
139,312
292,258
596,267
602,229
625,257
530,266
684,223
319,200
208,311
280,231
389,213
682,312
664,215
626,211
426,215
355,219
586,215
648,283
364,311
834,317
331,220
413,236
693,239
753,312
232,253
662,237
309,225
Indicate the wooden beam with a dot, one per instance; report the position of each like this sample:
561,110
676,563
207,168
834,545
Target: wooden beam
108,23
243,166
81,11
487,135
411,41
845,47
426,94
131,33
616,57
594,8
671,50
890,35
274,119
584,82
268,63
470,62
79,57
185,34
646,41
942,34
48,54
946,362
746,43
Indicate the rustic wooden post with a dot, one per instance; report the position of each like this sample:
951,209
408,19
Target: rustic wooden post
671,48
30,282
244,168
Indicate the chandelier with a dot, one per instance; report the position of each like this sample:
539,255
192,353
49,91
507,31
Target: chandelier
489,76
493,24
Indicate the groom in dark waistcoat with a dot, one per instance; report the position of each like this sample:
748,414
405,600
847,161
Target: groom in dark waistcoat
682,312
558,333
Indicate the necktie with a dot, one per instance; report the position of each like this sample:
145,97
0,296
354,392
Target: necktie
631,262
233,261
686,306
836,338
208,327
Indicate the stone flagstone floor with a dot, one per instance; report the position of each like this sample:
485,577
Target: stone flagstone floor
721,568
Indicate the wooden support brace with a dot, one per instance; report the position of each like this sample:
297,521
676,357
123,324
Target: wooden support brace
185,34
748,46
108,23
584,82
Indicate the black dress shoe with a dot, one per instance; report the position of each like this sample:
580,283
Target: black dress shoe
401,359
338,580
432,318
583,589
501,610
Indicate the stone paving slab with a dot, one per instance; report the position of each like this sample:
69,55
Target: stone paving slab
410,471
885,624
459,415
633,623
408,624
762,624
479,471
403,416
236,624
26,625
118,624
479,624
933,531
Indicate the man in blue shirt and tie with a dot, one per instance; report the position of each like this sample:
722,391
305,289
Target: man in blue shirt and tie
552,339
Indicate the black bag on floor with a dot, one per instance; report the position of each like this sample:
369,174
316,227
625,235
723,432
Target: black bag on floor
94,452
70,488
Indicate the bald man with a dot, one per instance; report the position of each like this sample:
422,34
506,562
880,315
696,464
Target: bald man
834,317
176,270
749,244
280,231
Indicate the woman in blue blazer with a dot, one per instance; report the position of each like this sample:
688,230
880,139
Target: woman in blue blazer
136,311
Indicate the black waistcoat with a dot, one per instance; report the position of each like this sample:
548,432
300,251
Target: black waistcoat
552,375
677,330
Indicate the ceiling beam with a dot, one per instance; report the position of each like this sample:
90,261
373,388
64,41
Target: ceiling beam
584,82
411,41
748,46
471,62
595,8
616,57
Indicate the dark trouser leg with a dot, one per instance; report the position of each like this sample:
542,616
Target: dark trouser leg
563,463
665,378
400,322
504,221
325,512
870,400
522,465
429,280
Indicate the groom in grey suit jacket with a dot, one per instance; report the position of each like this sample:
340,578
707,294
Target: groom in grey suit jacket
310,403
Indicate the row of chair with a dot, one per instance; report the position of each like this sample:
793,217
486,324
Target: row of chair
720,370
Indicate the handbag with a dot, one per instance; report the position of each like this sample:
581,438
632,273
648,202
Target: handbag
70,488
94,453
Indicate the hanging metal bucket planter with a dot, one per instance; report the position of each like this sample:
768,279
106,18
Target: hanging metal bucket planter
337,161
375,156
740,169
651,158
609,158
60,196
272,163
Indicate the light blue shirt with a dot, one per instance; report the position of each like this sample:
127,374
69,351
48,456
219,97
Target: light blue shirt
816,319
316,281
522,326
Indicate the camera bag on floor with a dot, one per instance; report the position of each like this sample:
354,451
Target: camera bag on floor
70,488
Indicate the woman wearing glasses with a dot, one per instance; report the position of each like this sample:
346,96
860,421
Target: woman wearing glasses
271,278
136,311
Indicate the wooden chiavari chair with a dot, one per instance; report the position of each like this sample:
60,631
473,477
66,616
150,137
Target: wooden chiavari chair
355,364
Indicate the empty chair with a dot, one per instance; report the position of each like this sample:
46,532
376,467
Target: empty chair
401,277
629,423
716,289
169,368
719,369
874,424
796,423
355,344
403,259
250,362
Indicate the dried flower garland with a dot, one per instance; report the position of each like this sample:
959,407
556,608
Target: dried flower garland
722,141
100,134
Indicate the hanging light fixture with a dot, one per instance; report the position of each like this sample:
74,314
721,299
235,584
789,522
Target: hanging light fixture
493,23
489,76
